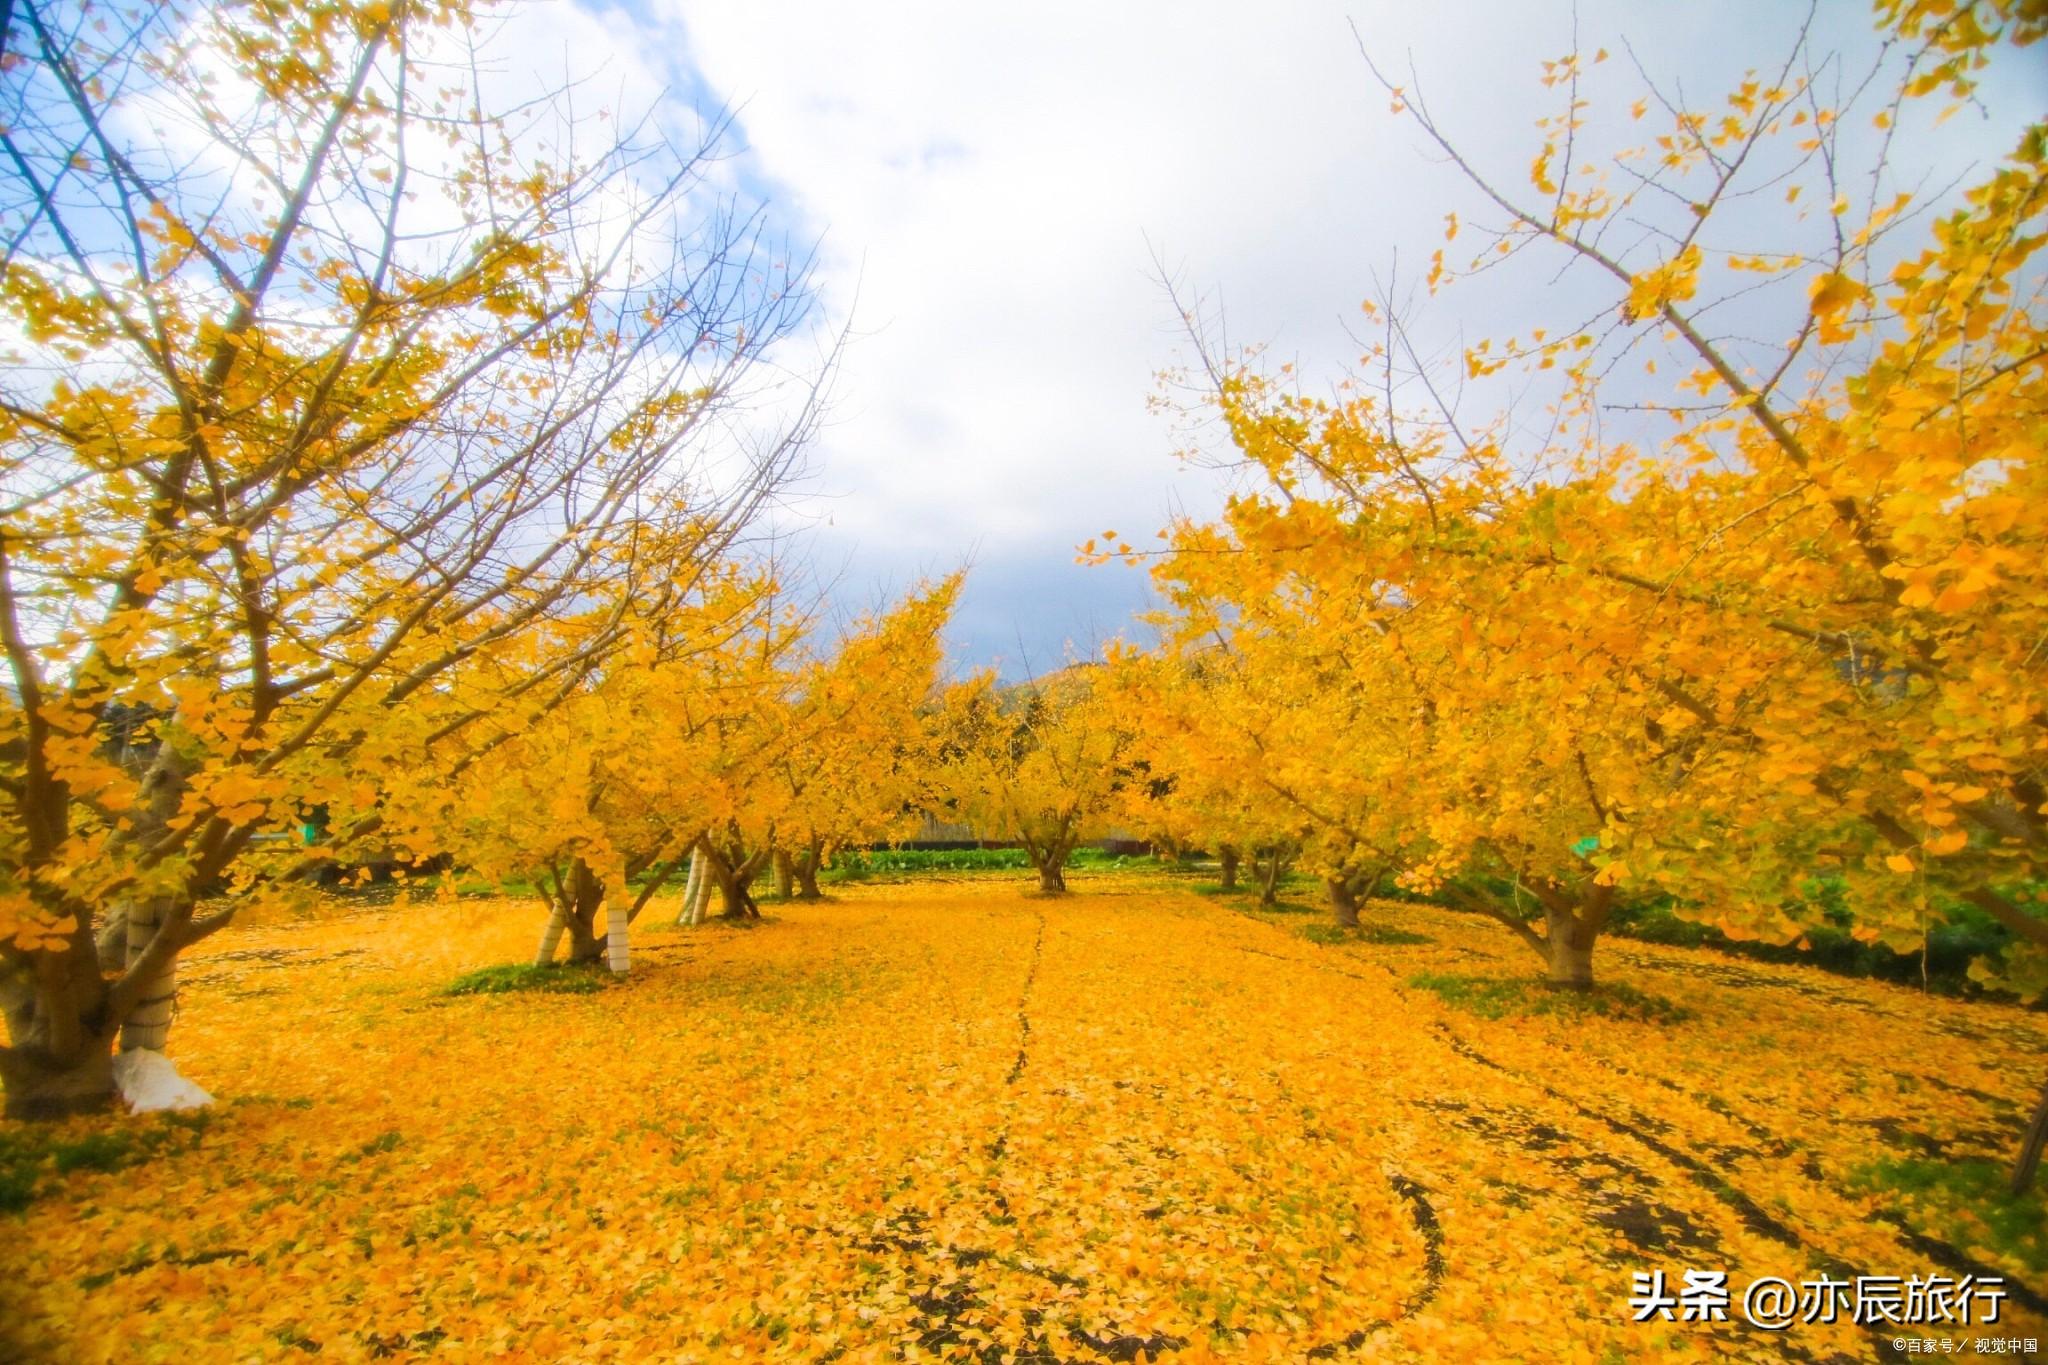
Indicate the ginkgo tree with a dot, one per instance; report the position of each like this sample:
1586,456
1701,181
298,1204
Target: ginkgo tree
347,423
1039,762
1204,770
1839,537
1792,632
854,765
735,733
596,805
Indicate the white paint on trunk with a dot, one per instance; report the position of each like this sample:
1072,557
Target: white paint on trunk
693,910
690,888
550,936
149,1026
617,948
150,1081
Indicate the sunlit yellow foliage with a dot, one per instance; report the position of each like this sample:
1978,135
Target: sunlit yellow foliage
1041,763
1796,633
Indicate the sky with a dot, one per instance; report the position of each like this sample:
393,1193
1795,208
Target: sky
996,191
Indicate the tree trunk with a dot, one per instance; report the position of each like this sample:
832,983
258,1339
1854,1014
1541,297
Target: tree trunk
734,878
1268,871
1051,861
586,894
1343,901
617,945
39,1086
1571,954
1227,860
736,901
807,871
693,890
584,944
112,941
785,874
149,1024
2030,1147
552,935
61,1032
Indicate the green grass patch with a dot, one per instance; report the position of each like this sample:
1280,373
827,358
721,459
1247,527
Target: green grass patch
1967,1200
1493,997
809,992
29,1153
18,1173
388,1140
577,979
108,1151
853,865
1385,934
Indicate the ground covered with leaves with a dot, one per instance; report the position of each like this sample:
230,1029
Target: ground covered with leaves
954,1120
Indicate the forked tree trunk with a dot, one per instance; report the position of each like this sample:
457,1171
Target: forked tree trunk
736,900
1227,859
785,874
576,900
1349,891
735,877
1571,953
1268,868
1051,861
2031,1144
1343,902
807,871
1572,925
149,1025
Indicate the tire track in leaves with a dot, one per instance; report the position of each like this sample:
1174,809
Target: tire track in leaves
1752,1215
1640,1128
1414,1197
1647,1225
946,1315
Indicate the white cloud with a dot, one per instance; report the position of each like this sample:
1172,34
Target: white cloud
988,178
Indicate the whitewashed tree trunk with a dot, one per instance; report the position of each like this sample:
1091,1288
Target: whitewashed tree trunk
693,910
150,1025
617,949
704,885
691,887
550,936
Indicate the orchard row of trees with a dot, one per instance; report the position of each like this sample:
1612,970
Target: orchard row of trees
1727,585
373,459
1786,653
381,464
361,430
